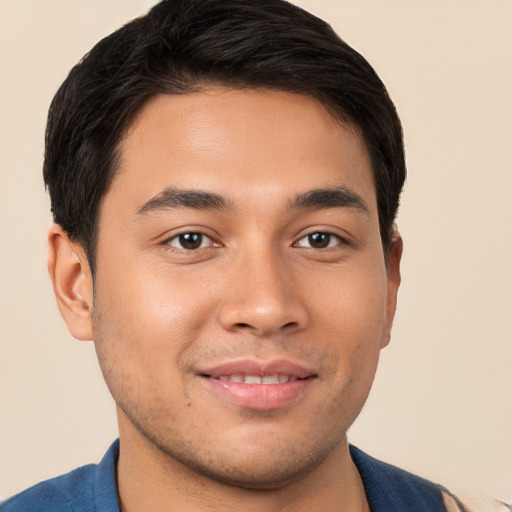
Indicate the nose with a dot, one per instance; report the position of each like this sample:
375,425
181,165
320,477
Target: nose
263,297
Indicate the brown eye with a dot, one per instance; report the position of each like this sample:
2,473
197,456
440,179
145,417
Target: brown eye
190,241
319,240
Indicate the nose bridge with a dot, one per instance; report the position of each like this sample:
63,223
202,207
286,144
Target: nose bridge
262,295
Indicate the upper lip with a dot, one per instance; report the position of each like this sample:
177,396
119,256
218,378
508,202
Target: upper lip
245,367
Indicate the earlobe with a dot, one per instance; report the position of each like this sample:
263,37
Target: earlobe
72,282
393,278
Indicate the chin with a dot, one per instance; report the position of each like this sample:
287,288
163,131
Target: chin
258,464
252,474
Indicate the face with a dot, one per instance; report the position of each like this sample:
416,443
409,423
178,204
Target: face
241,291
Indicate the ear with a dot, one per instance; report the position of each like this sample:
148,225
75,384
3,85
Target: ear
393,277
72,282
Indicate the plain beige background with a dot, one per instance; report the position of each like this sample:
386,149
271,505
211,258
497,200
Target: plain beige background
441,405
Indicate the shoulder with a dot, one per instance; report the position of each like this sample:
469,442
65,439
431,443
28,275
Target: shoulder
70,492
471,500
89,488
391,489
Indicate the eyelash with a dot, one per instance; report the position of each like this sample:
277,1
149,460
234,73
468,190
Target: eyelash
203,238
330,236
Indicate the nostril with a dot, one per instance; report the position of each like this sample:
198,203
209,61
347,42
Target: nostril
289,325
242,325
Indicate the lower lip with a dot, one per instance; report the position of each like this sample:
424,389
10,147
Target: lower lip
260,397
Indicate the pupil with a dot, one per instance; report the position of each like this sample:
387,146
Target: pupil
319,240
191,240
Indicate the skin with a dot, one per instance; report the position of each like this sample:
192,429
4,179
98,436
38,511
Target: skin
257,287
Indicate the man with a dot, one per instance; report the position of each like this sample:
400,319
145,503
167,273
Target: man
224,178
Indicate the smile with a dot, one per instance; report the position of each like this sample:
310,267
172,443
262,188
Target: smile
255,379
258,385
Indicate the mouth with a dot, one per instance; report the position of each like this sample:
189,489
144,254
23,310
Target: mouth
256,379
259,385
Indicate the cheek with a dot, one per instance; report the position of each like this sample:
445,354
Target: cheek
351,317
353,303
145,320
153,305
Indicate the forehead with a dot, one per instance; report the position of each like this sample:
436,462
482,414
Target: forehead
249,142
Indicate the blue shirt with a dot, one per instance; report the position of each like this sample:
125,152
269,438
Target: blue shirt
92,488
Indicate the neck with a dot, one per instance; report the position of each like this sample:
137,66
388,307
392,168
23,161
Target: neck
149,480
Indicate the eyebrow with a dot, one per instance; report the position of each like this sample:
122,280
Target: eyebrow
339,197
172,198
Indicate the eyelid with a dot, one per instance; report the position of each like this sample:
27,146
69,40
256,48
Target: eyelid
212,242
339,241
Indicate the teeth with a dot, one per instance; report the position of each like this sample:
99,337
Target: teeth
252,379
255,379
